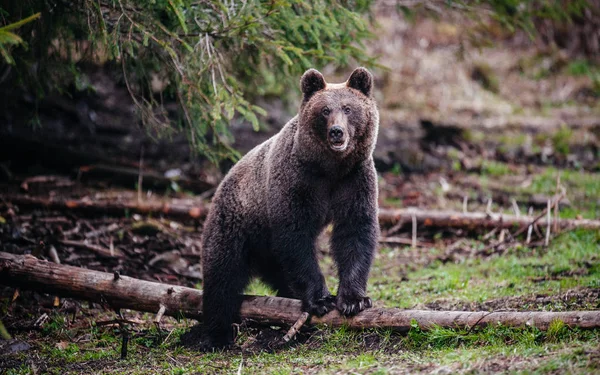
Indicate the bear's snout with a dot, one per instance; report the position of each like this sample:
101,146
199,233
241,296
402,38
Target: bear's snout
336,133
338,138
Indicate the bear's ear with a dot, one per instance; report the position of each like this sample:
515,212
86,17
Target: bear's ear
311,82
361,80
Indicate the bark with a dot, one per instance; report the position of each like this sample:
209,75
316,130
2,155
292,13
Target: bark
472,220
387,216
175,209
28,272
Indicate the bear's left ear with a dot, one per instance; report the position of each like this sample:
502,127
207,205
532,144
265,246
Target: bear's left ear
312,81
361,80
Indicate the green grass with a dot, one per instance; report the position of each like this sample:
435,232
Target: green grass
585,183
583,189
519,272
494,168
258,288
343,351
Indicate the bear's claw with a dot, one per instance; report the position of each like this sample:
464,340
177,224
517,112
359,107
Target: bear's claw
352,306
321,306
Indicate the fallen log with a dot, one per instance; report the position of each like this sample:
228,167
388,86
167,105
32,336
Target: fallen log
471,220
116,291
194,210
173,208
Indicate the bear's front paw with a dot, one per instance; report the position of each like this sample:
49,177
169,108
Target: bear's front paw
321,306
350,306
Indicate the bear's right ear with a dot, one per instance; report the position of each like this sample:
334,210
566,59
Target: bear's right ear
311,82
361,80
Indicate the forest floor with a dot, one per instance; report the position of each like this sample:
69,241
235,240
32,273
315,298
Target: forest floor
503,125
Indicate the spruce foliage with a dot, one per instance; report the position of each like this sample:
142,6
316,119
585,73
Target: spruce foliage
211,56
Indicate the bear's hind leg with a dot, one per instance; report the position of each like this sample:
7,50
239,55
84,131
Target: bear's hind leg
226,274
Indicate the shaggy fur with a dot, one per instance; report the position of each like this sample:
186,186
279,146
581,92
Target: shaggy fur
272,205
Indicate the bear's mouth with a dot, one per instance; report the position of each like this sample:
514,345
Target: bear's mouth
338,145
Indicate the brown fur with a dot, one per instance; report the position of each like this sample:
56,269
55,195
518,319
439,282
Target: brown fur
272,205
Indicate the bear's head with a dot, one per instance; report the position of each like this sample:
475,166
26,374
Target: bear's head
341,119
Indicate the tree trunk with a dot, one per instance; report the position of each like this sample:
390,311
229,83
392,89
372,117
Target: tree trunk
25,271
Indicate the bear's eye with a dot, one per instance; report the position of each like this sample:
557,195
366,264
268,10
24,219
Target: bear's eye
326,111
347,110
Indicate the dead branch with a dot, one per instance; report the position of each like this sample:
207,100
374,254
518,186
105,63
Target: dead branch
183,210
106,253
472,220
296,327
541,215
26,271
404,241
195,210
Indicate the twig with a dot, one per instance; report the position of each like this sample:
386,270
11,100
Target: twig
489,234
294,329
548,213
159,314
556,208
239,371
403,241
168,336
111,322
529,228
515,206
395,228
488,209
108,229
502,235
53,254
72,231
414,232
541,215
479,321
97,249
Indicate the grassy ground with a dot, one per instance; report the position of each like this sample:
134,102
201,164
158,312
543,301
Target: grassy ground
562,277
458,272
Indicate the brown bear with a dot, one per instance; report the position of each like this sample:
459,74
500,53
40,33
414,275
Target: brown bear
271,206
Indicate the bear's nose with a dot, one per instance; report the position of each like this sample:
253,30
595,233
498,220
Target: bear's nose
336,132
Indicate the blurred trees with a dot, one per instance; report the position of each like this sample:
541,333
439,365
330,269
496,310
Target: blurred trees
211,56
573,25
